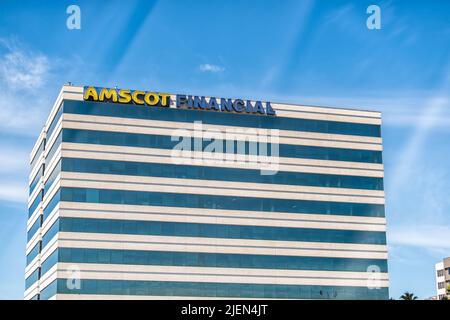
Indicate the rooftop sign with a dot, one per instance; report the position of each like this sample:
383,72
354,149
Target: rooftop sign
158,99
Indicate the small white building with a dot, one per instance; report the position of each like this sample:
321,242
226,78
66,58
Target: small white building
442,278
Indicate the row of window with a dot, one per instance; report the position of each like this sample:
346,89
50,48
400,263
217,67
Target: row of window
56,171
37,201
42,148
205,289
216,260
54,122
54,148
51,205
38,154
182,229
220,118
38,223
166,142
32,278
34,228
217,202
48,263
34,252
49,291
51,232
37,177
169,170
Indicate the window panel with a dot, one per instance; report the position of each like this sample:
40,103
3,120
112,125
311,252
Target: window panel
195,259
169,170
165,142
67,224
219,202
202,289
220,118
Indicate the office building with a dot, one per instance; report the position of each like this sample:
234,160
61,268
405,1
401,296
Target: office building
443,279
117,212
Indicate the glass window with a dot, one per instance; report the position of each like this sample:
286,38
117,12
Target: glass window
38,154
51,260
55,121
52,177
169,170
32,278
49,291
34,252
36,203
181,229
219,202
221,118
165,142
204,289
36,179
53,148
223,260
50,233
34,228
51,205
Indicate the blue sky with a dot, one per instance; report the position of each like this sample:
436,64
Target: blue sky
305,52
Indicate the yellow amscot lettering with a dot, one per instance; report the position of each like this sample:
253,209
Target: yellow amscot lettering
151,98
109,94
90,93
124,96
138,97
164,99
135,96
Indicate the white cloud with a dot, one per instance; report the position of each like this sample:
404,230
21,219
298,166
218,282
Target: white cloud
211,68
20,69
24,75
429,237
13,173
13,192
12,159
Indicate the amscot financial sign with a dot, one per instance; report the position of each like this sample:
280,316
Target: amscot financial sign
158,99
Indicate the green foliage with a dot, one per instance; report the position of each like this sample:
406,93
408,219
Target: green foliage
408,296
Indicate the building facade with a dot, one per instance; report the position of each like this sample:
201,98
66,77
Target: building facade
117,211
443,279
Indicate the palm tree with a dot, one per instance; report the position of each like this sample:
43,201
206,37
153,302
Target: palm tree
408,296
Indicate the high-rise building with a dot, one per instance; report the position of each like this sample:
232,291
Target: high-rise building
443,279
119,207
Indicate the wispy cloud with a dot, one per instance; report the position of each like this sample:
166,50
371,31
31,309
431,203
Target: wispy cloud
24,75
22,70
213,68
429,237
13,192
433,111
12,159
